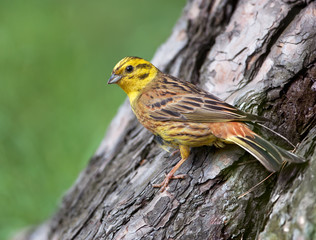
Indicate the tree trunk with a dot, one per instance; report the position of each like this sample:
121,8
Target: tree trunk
257,55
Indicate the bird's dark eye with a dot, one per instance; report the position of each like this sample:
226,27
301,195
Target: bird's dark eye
129,68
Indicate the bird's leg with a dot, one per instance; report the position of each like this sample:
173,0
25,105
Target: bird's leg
174,152
185,152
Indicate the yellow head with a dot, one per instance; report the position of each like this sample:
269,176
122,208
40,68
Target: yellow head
132,74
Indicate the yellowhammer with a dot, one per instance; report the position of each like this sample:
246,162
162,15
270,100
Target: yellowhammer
185,116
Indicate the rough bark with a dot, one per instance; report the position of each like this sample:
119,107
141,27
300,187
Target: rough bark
257,55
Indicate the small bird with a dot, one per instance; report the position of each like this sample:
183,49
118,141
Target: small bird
182,116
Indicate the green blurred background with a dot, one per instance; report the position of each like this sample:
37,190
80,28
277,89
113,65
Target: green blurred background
55,106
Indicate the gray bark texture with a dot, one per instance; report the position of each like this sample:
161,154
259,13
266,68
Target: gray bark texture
257,55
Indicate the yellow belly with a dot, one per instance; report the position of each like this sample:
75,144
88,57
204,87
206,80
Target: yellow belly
193,134
188,134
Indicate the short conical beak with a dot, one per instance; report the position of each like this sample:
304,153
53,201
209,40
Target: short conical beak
114,79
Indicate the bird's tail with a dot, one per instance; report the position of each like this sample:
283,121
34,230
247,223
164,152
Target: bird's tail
270,155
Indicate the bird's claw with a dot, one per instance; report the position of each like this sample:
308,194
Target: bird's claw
164,184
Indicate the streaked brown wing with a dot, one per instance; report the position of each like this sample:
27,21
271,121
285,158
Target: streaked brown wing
171,99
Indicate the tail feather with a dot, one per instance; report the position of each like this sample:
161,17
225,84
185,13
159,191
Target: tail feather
270,155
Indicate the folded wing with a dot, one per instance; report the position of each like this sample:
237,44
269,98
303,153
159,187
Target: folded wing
175,100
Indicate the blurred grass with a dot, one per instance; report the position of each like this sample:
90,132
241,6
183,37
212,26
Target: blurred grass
54,103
